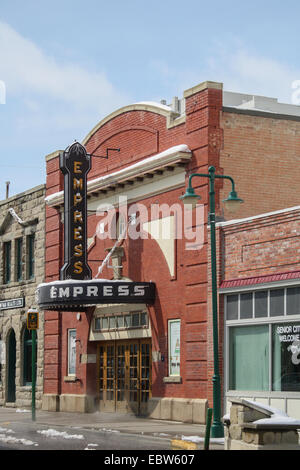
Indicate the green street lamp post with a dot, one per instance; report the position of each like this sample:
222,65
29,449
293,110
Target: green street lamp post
232,202
32,325
33,375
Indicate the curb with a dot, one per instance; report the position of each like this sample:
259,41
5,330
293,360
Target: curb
178,444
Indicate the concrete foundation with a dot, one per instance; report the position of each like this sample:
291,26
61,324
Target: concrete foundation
178,409
171,409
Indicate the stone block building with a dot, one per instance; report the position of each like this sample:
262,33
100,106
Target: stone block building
22,248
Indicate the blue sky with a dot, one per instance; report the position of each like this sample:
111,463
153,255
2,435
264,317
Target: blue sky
66,64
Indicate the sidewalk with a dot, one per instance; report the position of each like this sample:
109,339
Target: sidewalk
182,435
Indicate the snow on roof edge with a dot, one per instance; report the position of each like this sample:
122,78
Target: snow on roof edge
177,148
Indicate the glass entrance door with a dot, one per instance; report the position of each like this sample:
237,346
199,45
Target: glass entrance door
120,405
124,375
106,378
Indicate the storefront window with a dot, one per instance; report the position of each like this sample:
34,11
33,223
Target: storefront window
248,346
293,301
263,343
276,302
261,304
246,306
232,307
286,361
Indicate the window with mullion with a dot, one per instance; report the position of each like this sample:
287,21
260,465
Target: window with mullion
7,262
264,348
31,260
19,264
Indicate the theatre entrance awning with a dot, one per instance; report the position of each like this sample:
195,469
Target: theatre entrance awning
71,295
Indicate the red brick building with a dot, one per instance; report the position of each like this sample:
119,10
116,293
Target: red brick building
259,272
120,356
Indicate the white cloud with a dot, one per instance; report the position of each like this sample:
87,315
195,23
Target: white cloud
239,69
26,69
247,72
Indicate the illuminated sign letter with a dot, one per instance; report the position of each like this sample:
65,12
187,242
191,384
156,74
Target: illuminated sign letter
78,184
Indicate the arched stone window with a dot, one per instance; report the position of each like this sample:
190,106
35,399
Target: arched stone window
11,366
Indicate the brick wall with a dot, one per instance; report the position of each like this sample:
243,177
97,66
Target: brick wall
141,133
262,155
261,246
253,149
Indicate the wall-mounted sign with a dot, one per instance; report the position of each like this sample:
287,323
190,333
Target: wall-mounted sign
288,333
75,164
12,303
32,319
70,296
174,347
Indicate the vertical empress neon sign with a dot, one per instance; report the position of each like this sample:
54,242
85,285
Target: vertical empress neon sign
75,164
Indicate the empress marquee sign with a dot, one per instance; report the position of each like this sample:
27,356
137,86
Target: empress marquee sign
79,295
76,290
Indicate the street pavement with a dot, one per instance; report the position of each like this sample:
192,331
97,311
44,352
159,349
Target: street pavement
113,431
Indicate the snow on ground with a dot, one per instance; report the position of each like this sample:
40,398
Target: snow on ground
7,431
109,430
198,439
4,437
63,434
90,446
19,410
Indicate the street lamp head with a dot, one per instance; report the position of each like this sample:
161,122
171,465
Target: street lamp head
190,198
232,203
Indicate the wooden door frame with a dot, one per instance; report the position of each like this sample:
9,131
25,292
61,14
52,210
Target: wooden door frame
126,343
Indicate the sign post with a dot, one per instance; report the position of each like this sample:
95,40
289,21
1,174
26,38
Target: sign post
32,325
